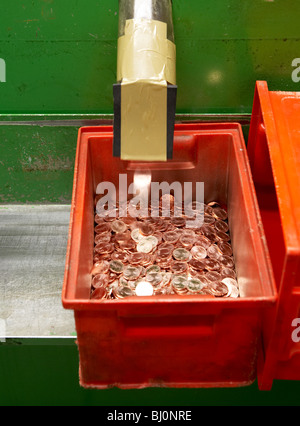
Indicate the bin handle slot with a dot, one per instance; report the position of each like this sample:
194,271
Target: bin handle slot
169,327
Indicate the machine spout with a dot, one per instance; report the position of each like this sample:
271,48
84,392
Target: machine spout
145,92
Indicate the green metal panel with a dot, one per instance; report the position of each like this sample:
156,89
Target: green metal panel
61,54
36,164
48,375
60,58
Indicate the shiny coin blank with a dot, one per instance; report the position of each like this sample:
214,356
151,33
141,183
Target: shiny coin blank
144,246
144,288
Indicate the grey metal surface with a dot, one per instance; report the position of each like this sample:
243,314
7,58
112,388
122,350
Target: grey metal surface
33,241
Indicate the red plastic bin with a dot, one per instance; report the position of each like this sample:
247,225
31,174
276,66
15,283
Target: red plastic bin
274,154
171,341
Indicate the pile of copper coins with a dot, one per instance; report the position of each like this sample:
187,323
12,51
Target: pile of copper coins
151,256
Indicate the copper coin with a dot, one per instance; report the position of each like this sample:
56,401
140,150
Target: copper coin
100,280
122,237
153,268
153,240
112,277
158,235
146,229
208,209
182,255
178,267
232,286
198,265
187,240
203,241
221,226
226,261
122,291
225,248
218,289
228,273
209,232
118,226
154,278
220,213
103,238
178,222
211,264
213,276
159,248
104,248
203,279
155,221
96,258
213,204
137,211
101,267
171,237
128,220
166,278
143,270
162,226
136,258
127,245
206,291
194,285
99,219
121,256
189,232
230,281
165,251
179,284
222,236
100,257
136,235
164,264
214,252
198,252
131,272
116,266
103,228
208,219
148,259
98,294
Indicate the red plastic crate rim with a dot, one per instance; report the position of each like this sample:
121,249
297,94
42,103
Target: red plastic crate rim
174,341
274,154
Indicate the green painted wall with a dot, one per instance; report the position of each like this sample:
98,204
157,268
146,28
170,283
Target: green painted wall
48,375
60,59
61,54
